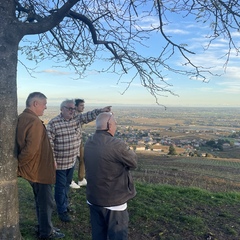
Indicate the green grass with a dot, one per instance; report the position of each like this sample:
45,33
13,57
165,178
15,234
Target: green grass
157,212
168,212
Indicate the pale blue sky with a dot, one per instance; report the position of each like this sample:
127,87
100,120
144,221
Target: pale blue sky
104,89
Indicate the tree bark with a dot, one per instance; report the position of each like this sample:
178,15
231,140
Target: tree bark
9,40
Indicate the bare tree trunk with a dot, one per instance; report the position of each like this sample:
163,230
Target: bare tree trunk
9,215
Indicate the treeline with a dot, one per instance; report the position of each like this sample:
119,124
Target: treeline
218,143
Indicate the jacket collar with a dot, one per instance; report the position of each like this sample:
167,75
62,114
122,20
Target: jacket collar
27,110
105,132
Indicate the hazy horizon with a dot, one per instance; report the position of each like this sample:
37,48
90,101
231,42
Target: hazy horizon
140,105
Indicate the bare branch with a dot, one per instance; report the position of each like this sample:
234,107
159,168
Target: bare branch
39,24
78,33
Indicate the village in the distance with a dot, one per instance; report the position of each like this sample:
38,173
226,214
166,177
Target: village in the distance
192,131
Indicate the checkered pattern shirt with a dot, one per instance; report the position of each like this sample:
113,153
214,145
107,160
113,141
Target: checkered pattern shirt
65,137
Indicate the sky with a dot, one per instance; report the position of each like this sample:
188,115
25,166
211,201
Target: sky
104,89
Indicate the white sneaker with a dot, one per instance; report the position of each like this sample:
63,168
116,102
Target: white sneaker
82,183
74,185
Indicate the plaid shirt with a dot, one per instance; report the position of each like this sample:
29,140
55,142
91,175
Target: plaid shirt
65,137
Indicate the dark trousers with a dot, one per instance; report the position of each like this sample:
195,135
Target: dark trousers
44,207
107,224
63,180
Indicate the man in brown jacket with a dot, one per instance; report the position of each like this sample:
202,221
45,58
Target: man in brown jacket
36,162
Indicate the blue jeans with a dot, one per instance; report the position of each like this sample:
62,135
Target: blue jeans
107,224
63,180
44,206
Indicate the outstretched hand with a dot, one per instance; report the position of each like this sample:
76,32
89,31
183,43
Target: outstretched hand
106,109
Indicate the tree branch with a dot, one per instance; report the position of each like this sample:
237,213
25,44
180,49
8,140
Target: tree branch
39,24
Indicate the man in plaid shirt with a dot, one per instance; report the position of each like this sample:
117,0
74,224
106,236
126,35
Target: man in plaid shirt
65,132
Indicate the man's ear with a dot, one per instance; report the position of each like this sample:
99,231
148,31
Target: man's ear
35,103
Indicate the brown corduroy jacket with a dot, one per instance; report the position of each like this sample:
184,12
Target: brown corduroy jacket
35,156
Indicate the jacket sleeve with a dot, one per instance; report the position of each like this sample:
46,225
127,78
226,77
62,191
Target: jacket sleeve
51,134
33,138
87,117
127,156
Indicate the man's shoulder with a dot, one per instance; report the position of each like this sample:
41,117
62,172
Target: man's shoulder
55,119
28,115
117,139
28,120
118,142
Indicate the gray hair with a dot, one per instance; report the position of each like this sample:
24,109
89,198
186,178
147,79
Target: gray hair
66,102
102,120
33,96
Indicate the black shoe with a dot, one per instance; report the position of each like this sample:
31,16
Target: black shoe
64,217
54,235
54,229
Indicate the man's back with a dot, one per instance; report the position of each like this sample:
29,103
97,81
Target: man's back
107,163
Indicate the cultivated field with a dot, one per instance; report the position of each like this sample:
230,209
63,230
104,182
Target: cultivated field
214,174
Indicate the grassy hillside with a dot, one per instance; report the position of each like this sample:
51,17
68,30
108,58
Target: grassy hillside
168,204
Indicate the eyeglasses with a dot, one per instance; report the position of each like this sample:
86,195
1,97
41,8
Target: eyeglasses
69,108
